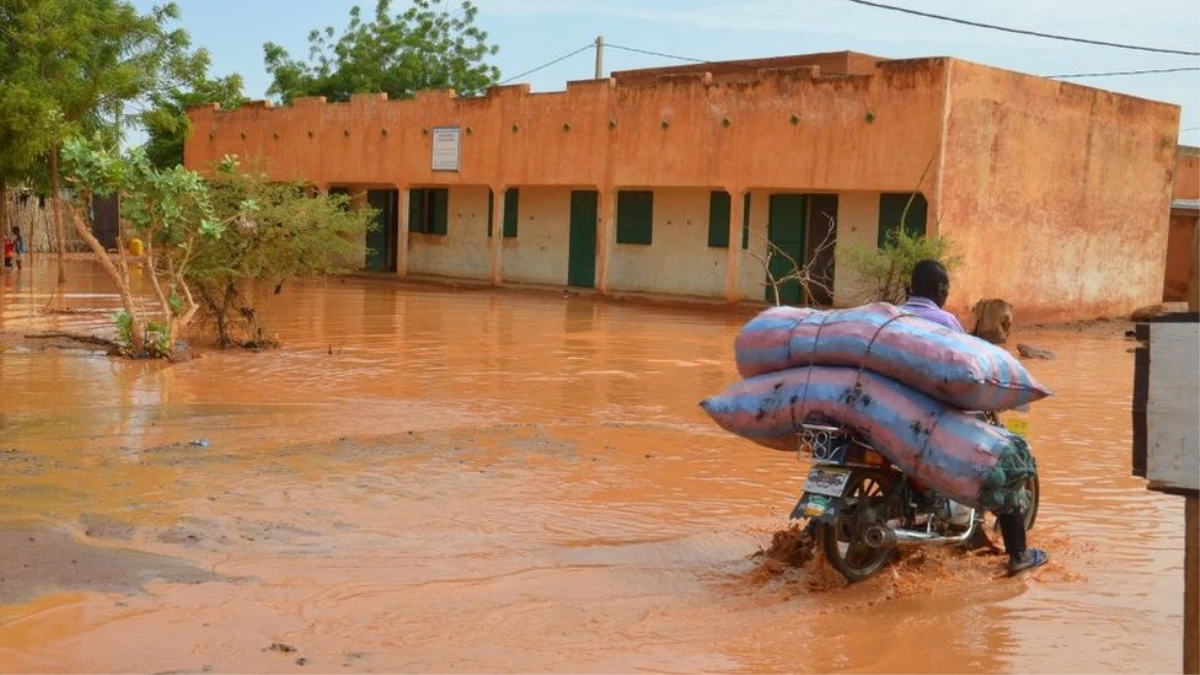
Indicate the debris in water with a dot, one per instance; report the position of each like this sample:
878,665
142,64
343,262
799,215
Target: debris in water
1031,352
302,661
280,647
199,443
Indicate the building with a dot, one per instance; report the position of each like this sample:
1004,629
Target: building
1182,250
673,180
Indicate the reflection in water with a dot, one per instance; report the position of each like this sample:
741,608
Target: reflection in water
435,479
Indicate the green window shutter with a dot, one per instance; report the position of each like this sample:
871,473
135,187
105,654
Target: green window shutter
512,199
746,221
416,210
891,210
439,210
718,219
491,210
635,216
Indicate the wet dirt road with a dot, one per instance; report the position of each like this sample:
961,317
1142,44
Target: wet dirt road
426,479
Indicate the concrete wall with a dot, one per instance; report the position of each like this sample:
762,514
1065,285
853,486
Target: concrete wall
1187,173
858,225
539,252
1182,255
1055,194
870,132
463,251
678,260
752,275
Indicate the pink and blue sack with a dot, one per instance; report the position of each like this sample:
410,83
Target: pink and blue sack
957,369
951,451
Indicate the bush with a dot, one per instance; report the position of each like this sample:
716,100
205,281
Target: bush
885,271
277,232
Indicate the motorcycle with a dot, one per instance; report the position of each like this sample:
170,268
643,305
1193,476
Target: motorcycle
862,509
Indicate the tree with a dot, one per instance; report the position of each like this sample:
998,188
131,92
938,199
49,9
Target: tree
166,121
168,209
425,47
278,232
77,62
887,270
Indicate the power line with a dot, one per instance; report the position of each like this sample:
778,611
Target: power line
1124,72
651,53
560,59
1183,131
1020,31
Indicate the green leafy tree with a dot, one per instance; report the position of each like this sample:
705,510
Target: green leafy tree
886,271
278,232
165,119
170,210
427,46
74,64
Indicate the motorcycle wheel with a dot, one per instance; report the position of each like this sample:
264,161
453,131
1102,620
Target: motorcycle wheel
864,503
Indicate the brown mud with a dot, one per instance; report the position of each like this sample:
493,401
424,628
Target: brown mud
425,480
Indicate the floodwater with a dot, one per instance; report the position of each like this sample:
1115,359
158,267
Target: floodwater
439,480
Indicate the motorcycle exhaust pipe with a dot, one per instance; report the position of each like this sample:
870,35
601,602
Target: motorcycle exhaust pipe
882,536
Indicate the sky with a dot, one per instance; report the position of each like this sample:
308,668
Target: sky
531,33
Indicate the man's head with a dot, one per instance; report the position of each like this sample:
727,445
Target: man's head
931,281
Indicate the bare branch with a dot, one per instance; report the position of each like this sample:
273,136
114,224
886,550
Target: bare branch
806,276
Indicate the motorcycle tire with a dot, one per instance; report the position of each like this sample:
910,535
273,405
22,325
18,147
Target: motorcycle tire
859,561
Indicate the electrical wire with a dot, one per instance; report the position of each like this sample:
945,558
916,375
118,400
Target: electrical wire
1019,31
1124,72
560,59
652,53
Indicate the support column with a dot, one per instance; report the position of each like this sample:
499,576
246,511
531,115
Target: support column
733,261
402,201
606,236
496,244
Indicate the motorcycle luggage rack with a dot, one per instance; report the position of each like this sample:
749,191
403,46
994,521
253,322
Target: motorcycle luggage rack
816,441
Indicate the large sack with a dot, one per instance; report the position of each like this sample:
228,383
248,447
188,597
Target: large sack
953,367
954,453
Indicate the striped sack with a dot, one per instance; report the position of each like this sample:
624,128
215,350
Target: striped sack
954,453
953,367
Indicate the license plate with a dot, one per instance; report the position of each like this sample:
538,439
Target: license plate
826,481
1017,425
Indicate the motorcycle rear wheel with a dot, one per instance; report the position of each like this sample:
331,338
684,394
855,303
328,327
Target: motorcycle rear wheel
864,502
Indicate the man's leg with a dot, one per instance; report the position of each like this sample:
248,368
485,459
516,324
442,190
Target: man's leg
1012,529
1020,558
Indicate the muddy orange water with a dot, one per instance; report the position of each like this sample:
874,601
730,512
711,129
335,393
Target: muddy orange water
426,479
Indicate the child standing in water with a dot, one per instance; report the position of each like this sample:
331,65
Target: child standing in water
10,250
19,244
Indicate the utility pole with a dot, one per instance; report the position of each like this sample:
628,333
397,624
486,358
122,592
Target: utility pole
599,57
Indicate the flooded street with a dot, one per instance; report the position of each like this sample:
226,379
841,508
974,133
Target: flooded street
430,479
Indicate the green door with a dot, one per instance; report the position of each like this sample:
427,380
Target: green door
787,222
381,241
581,251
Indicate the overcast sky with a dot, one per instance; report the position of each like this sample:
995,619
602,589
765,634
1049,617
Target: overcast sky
533,32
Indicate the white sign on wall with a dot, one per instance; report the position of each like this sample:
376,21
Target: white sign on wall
447,148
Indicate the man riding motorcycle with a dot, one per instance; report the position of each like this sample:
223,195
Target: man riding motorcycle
928,290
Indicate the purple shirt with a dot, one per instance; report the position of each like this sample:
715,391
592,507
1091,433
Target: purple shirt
926,309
